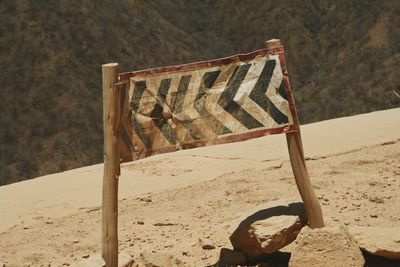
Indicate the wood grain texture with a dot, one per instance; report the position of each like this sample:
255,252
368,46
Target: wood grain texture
111,119
296,154
311,203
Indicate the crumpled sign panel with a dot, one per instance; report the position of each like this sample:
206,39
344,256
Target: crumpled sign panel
205,103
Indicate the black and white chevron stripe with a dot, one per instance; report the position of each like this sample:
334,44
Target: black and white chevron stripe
229,99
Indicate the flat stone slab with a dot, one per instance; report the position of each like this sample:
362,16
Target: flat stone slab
152,259
268,229
328,246
378,241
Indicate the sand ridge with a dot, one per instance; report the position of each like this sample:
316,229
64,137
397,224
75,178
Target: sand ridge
170,202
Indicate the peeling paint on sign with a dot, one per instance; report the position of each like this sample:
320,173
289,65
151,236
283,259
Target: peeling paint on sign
205,103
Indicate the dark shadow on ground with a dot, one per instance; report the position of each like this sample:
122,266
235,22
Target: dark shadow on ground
375,261
278,259
296,209
281,259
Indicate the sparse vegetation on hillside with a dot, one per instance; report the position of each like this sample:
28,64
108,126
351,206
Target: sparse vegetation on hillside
343,58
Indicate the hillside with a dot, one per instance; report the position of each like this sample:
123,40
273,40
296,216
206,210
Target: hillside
343,59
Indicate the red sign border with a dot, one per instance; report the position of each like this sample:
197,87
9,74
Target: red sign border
124,77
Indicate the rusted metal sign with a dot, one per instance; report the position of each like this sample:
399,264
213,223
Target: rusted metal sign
205,103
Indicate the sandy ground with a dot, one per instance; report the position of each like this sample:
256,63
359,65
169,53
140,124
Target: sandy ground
172,203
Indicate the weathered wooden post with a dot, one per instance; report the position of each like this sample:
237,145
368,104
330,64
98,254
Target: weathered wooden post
111,165
296,154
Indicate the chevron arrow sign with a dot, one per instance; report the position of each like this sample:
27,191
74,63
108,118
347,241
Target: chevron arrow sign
211,102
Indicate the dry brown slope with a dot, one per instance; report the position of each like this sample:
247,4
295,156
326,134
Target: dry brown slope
50,58
343,58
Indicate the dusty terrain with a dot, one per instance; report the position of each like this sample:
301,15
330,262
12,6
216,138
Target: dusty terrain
174,202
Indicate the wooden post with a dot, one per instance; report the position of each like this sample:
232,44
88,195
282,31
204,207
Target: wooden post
296,154
111,166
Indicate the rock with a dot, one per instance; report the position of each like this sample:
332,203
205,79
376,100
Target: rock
326,246
93,260
269,229
124,260
231,257
152,259
206,244
379,241
145,199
